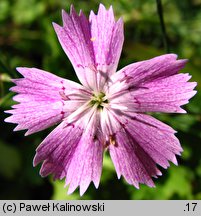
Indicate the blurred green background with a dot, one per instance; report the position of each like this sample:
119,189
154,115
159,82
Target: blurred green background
28,39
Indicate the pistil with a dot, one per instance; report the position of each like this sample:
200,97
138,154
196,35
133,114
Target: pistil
99,99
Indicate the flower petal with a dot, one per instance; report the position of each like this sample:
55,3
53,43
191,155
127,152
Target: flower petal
142,143
41,100
74,38
73,152
148,70
153,86
94,46
107,38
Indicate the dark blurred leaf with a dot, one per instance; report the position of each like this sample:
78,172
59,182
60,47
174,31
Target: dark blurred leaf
7,101
9,160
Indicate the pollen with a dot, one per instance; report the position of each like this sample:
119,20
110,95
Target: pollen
93,39
112,140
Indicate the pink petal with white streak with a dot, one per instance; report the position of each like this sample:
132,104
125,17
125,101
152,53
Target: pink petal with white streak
107,38
141,143
93,46
73,152
41,101
74,38
153,86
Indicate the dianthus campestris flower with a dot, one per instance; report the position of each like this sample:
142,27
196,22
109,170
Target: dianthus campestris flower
107,111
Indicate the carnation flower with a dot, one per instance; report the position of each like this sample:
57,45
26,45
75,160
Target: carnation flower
107,111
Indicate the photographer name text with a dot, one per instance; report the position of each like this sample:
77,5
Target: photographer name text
52,206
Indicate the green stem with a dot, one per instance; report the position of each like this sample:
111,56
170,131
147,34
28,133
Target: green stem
160,14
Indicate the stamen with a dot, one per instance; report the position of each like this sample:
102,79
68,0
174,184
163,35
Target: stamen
93,39
112,140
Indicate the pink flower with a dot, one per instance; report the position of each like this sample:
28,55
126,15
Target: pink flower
106,112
